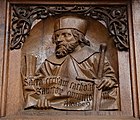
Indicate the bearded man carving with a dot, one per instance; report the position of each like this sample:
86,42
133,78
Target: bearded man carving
70,75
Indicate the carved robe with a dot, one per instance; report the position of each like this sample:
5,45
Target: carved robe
58,83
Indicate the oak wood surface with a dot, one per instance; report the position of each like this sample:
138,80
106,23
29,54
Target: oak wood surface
11,97
136,37
3,55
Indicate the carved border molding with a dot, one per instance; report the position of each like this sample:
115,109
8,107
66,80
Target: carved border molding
115,18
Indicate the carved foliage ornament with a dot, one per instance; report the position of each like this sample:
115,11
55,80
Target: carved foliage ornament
114,17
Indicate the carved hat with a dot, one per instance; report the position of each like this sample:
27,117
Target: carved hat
71,22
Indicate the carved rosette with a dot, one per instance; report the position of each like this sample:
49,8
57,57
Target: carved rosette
115,18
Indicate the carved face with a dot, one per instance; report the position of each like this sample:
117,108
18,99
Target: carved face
65,42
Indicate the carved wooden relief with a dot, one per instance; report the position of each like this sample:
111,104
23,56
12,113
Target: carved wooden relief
72,58
76,76
114,17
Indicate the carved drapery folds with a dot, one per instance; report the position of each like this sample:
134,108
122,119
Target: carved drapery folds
114,17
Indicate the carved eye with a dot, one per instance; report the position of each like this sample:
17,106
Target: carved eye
57,35
66,34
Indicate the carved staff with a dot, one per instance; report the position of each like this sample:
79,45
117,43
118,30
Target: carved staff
98,92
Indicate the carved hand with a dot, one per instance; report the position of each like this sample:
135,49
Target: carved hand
105,83
43,103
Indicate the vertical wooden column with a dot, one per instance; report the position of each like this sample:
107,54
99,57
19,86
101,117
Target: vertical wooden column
2,51
136,27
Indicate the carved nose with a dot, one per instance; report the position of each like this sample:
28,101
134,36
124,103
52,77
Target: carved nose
60,39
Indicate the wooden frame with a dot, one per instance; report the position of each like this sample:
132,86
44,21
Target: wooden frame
8,66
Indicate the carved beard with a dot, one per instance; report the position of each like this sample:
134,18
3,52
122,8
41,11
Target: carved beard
64,49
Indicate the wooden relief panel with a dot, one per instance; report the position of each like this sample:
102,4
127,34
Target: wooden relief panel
76,76
71,58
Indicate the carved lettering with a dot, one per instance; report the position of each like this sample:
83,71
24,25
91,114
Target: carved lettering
75,77
81,86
